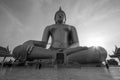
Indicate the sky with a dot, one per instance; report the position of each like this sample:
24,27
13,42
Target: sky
97,21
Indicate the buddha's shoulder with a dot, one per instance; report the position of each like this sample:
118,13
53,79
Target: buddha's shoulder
51,26
65,25
70,27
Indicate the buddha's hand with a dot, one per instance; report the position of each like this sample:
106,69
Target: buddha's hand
29,45
74,45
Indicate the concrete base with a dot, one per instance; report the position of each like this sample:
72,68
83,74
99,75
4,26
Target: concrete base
83,73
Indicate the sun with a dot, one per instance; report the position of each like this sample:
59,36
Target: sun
95,41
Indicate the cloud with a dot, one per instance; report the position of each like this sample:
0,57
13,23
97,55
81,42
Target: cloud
26,19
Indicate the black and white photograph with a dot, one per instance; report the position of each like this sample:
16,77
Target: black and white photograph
59,39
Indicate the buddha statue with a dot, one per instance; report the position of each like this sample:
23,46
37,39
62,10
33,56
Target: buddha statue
64,39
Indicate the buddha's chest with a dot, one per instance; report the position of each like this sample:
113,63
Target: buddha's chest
60,31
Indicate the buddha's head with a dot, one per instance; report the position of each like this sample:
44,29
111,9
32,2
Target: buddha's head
60,16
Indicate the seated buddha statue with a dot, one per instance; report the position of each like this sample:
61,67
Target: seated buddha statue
64,38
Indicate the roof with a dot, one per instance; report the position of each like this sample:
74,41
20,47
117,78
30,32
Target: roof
4,52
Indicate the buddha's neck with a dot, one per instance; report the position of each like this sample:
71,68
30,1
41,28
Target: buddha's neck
59,23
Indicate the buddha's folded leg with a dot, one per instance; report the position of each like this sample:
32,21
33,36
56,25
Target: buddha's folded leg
89,55
20,52
70,51
39,52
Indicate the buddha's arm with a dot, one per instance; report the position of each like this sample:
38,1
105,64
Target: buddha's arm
46,35
75,41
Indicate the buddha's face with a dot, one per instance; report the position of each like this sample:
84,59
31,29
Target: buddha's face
60,17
